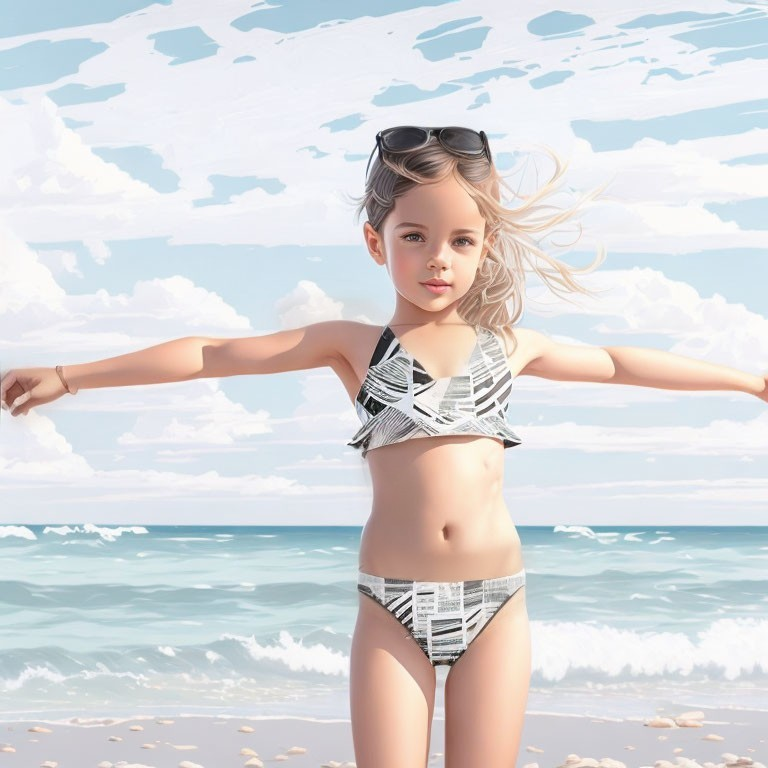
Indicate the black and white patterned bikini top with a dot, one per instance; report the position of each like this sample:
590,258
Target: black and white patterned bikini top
399,400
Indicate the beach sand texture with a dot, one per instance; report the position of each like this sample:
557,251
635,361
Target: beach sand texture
724,738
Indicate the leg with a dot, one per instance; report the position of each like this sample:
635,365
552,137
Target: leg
392,691
486,691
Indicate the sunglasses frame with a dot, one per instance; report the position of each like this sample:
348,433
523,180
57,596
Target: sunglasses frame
430,132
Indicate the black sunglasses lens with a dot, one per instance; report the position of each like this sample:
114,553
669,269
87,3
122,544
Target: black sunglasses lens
462,139
400,139
407,137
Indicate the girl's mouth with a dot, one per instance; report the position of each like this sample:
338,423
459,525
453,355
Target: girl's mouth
436,288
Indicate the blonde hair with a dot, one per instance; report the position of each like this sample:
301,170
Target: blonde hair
509,232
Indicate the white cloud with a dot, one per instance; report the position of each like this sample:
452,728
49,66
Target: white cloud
645,301
204,418
65,189
318,461
307,303
39,318
52,164
33,449
26,285
721,437
55,187
317,415
687,172
730,490
98,249
60,262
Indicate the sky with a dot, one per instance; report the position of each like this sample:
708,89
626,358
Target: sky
185,169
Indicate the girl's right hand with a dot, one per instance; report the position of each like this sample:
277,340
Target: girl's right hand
25,388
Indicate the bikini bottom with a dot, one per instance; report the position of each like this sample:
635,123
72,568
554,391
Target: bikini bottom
443,617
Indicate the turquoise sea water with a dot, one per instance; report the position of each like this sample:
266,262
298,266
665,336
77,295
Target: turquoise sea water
114,621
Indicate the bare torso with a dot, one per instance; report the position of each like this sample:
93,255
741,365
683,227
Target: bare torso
438,509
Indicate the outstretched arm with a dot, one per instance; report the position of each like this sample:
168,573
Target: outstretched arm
191,357
22,389
640,366
665,370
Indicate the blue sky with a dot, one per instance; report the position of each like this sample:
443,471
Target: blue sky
172,170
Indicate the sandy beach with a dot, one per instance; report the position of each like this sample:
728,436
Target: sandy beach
725,737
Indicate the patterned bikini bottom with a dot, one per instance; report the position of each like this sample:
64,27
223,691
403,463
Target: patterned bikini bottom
444,617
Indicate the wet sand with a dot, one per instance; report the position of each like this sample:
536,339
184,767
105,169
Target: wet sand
191,741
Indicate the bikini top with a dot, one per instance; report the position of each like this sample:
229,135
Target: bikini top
399,400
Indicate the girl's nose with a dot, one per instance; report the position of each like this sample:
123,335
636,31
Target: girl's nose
441,258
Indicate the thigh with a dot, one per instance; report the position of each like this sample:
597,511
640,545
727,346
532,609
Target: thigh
392,691
486,691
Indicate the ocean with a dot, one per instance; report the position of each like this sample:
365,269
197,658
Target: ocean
115,621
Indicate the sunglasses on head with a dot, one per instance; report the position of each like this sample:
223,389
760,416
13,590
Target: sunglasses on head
403,138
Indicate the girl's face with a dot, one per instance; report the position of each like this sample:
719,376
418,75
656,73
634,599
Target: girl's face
434,231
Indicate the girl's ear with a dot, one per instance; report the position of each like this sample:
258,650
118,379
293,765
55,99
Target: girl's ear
373,243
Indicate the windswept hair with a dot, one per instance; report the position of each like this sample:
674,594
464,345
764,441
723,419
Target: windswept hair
510,233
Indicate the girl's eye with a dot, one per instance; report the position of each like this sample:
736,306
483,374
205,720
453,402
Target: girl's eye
466,239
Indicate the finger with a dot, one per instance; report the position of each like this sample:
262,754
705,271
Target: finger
6,382
19,401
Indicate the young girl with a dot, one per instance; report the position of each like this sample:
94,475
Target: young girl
441,575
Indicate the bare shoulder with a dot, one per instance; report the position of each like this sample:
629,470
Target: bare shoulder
545,357
310,346
520,341
523,346
345,339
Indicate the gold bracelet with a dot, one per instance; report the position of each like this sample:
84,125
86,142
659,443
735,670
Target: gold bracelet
63,381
